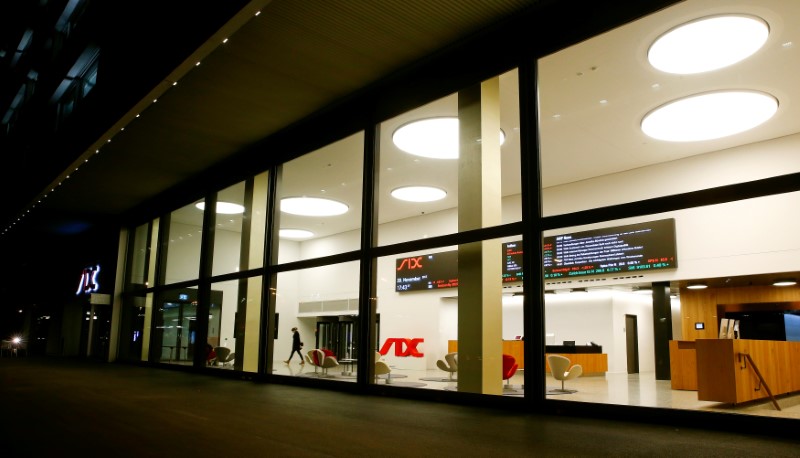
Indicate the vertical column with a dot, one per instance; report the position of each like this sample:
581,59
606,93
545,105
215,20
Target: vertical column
662,329
480,314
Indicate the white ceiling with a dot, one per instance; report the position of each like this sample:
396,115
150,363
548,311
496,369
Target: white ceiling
588,139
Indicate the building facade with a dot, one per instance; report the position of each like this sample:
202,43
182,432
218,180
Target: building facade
534,190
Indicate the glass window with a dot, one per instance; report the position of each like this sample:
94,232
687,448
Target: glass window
233,328
605,140
175,338
320,201
435,159
240,229
437,309
228,233
136,315
139,254
321,303
628,116
605,321
183,246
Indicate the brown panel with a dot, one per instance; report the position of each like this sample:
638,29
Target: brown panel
724,374
592,363
683,364
515,348
715,370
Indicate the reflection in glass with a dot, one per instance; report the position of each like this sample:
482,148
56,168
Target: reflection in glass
183,246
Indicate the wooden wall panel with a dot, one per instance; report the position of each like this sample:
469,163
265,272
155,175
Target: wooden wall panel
701,305
683,364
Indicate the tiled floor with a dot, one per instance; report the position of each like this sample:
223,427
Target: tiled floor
623,389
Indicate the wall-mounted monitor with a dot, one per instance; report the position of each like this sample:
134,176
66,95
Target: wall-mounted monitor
426,272
512,261
640,247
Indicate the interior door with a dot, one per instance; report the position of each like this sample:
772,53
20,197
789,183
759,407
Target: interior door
632,343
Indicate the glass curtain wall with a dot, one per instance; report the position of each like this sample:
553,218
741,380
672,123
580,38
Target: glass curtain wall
448,167
137,307
630,116
320,215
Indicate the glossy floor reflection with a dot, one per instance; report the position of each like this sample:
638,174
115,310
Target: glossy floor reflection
623,389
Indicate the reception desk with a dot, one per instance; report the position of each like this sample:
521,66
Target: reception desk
724,374
588,356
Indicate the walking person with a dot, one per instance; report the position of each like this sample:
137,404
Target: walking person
296,346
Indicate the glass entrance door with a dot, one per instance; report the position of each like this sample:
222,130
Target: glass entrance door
338,334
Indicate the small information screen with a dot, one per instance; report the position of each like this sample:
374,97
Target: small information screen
512,261
621,249
430,271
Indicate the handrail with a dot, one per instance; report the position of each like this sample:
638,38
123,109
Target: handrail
760,378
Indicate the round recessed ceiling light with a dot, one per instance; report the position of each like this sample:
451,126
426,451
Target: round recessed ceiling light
708,44
785,282
419,193
697,286
295,233
435,138
709,116
225,208
312,206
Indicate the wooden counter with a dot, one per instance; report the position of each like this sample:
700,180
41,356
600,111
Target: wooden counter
515,348
593,363
724,374
683,364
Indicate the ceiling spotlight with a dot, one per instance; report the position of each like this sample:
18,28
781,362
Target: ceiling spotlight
708,44
295,234
225,208
435,138
785,282
697,286
419,193
312,206
709,116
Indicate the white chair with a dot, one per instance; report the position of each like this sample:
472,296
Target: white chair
561,370
318,358
449,365
381,368
310,360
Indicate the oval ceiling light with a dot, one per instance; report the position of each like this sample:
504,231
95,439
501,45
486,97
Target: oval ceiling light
708,44
419,193
785,282
435,138
295,234
709,116
225,208
697,286
312,206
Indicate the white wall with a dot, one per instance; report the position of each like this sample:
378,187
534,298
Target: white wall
735,165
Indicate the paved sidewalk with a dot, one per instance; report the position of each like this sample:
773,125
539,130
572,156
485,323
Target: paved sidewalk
54,408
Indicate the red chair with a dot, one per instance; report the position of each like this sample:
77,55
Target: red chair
510,367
